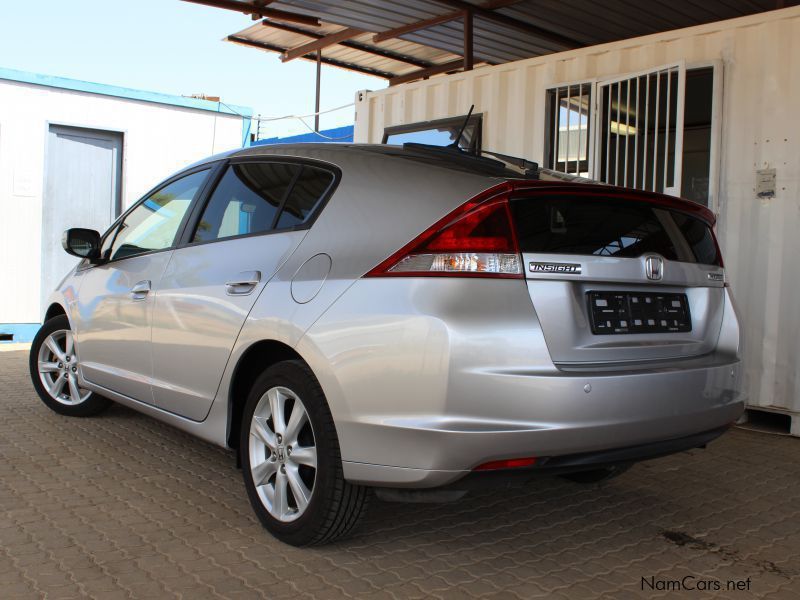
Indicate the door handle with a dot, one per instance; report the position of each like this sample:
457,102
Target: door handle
140,290
244,283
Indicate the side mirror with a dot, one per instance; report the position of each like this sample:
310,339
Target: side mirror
83,243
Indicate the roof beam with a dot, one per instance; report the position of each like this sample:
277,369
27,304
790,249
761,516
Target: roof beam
416,26
501,19
410,60
321,42
453,65
325,60
437,20
260,10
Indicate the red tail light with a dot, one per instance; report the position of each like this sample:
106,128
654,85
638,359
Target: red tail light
477,239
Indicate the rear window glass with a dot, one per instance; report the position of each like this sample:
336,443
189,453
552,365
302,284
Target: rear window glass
611,227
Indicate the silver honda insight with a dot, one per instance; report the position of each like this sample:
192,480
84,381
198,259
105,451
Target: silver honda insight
411,320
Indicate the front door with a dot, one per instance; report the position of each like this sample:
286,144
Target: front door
252,223
113,312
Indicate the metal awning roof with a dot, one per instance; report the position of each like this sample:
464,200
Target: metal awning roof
420,38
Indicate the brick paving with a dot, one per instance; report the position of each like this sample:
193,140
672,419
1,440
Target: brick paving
122,506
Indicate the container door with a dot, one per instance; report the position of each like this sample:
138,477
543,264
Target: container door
81,190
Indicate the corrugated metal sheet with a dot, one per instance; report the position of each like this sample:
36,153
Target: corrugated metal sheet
587,22
423,55
760,128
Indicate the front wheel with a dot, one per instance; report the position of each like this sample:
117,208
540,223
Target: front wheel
54,368
291,461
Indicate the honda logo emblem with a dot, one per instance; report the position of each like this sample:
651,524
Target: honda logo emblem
654,268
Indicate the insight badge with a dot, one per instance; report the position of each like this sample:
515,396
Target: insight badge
548,267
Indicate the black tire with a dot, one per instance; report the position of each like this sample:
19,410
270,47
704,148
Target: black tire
335,506
597,475
91,405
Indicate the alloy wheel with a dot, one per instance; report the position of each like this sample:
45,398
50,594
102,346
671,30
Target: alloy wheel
283,454
58,369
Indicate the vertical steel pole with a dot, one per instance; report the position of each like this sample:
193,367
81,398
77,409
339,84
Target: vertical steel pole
319,77
637,126
468,36
569,129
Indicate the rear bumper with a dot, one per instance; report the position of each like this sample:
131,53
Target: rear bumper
623,418
428,378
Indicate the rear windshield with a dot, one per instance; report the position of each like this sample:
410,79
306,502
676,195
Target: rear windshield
611,227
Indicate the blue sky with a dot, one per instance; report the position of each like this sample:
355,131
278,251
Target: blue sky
172,47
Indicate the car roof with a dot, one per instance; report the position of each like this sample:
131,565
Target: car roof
465,163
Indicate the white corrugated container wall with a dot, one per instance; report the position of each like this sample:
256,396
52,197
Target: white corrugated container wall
158,139
760,128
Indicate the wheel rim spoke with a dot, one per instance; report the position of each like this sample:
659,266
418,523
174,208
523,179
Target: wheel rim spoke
302,495
276,405
68,344
262,472
298,418
48,367
74,392
57,386
56,349
304,455
281,503
261,430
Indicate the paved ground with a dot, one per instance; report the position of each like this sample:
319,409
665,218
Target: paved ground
121,506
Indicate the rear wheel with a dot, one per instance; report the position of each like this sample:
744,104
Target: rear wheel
597,475
54,368
291,462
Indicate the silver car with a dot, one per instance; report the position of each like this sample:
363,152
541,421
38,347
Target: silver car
410,319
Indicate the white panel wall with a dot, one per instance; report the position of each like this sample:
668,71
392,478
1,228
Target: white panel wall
760,128
158,140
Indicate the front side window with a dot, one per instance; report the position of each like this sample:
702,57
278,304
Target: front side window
246,200
154,223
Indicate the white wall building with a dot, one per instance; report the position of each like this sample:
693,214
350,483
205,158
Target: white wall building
707,112
76,154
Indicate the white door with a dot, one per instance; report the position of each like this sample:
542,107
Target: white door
82,189
639,130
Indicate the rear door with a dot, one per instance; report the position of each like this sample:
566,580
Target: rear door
616,277
254,219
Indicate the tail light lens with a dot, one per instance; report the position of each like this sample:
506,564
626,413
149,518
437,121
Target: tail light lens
477,239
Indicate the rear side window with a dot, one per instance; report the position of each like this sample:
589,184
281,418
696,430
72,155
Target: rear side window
305,196
258,197
611,227
246,200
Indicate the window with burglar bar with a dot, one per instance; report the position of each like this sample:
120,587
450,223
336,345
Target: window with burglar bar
569,110
648,131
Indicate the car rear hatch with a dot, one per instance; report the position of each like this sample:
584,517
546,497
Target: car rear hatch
619,276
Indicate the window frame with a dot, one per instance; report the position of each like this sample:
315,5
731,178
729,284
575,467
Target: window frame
201,202
477,118
211,167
